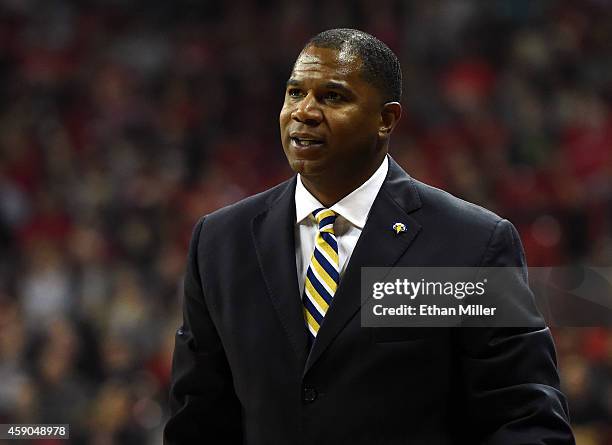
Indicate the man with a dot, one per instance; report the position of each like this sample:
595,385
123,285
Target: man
272,350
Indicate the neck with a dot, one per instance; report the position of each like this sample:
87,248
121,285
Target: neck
329,190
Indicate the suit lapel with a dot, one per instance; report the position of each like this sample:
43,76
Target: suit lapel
273,235
378,246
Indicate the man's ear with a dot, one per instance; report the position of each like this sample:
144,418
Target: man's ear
389,117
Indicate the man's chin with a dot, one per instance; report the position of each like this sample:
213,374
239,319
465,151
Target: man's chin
306,167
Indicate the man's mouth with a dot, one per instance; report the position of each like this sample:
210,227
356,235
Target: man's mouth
306,142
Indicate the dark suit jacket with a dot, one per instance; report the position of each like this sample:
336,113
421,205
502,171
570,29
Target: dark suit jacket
242,372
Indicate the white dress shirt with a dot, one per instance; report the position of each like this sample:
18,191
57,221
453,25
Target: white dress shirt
352,211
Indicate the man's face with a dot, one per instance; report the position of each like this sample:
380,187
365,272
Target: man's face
330,118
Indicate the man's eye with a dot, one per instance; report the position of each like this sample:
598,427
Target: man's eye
333,96
294,92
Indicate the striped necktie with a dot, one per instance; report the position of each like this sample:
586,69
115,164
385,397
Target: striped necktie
323,274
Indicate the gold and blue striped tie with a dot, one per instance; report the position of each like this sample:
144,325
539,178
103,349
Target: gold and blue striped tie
323,274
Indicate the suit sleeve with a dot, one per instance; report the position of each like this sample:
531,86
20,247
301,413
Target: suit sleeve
510,377
203,404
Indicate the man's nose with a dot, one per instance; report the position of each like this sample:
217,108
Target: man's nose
308,111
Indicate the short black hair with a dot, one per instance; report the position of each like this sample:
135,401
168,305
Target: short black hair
380,66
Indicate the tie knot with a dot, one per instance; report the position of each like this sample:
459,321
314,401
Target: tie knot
325,218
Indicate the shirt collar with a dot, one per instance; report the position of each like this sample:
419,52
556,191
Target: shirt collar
354,207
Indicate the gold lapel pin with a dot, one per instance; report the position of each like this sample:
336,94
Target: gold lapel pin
399,227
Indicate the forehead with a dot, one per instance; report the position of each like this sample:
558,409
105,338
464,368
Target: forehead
328,64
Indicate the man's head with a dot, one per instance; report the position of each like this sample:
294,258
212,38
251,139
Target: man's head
380,66
341,105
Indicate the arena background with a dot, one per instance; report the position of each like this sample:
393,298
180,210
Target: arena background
121,122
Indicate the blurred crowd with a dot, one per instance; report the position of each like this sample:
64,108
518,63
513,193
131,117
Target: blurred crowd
122,121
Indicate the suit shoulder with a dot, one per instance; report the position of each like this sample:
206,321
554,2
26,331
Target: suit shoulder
238,213
461,226
455,210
